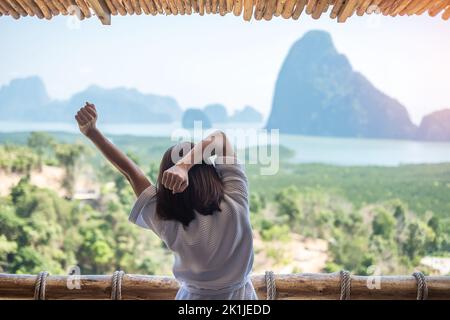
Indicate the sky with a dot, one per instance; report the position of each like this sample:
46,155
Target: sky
212,59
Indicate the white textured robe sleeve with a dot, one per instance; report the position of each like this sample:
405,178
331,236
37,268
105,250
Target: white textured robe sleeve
144,214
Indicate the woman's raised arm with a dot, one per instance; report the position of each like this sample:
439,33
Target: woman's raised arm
87,118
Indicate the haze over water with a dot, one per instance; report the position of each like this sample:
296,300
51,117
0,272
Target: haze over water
308,149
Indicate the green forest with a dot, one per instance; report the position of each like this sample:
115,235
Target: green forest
388,217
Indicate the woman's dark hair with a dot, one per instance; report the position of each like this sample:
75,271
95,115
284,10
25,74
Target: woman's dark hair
203,194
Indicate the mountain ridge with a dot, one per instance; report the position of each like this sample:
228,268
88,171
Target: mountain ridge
118,105
317,92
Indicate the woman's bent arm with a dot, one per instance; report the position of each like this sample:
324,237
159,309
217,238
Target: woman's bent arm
176,178
86,118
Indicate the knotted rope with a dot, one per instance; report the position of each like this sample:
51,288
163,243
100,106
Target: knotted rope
422,287
39,285
116,285
346,284
271,285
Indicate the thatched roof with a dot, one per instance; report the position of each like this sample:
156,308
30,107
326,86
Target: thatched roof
259,9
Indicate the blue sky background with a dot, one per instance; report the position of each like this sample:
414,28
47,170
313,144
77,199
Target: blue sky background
201,60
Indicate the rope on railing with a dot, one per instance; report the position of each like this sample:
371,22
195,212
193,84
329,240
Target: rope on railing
39,285
422,287
270,285
116,285
346,284
330,286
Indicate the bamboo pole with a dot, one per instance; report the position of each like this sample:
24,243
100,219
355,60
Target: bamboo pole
60,6
336,8
400,7
384,6
180,6
318,10
157,4
144,7
84,8
293,286
6,6
410,7
362,8
18,8
288,8
259,9
394,4
187,7
446,14
201,7
194,5
299,7
3,10
25,7
279,8
173,7
165,7
53,9
270,9
44,8
425,7
310,6
237,9
32,5
111,7
346,10
136,7
119,7
438,7
230,4
248,9
215,6
152,7
417,7
128,6
223,7
73,8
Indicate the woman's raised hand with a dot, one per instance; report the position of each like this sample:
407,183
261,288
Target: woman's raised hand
176,178
86,118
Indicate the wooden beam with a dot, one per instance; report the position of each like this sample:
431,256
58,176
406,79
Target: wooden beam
289,286
101,10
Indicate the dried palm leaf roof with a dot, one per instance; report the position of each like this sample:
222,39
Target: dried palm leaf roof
259,9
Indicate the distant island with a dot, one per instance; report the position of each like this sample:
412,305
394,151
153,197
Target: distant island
193,115
318,93
217,113
435,126
26,100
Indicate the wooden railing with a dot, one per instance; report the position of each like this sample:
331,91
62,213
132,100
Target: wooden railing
292,286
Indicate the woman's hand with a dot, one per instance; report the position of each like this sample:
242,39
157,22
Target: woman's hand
86,118
176,178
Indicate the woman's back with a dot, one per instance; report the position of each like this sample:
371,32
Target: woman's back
214,253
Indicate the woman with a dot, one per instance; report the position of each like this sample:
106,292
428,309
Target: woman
198,209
